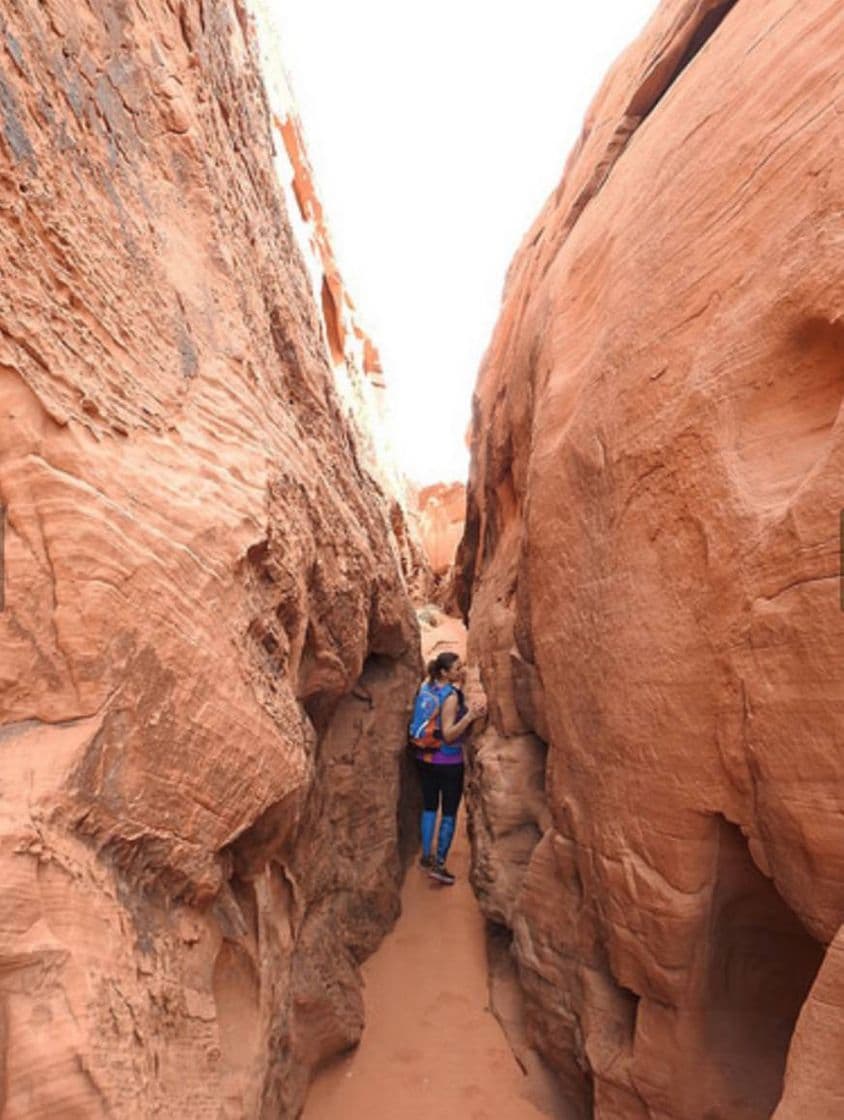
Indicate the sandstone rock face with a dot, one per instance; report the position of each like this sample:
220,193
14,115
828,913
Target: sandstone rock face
208,646
355,361
652,559
442,510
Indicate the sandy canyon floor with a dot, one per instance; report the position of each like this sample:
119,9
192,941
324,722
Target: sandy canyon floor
431,1046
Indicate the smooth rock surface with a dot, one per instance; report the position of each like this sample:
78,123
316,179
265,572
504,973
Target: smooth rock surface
208,648
652,563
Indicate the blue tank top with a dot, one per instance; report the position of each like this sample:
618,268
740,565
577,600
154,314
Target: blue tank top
449,754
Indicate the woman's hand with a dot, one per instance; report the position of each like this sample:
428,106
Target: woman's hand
477,710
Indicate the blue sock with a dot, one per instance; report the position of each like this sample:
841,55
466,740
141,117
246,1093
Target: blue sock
429,820
444,838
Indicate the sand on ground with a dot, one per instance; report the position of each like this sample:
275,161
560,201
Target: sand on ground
431,1047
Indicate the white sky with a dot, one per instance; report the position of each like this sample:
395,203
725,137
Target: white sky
436,131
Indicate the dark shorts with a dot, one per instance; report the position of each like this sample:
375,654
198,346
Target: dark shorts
444,782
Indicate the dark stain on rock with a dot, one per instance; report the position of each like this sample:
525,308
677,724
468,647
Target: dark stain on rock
282,340
187,351
70,88
14,49
114,114
12,128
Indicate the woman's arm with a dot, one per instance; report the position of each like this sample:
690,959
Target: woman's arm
454,728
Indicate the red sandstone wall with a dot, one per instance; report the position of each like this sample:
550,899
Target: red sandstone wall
207,646
355,360
354,357
442,510
652,562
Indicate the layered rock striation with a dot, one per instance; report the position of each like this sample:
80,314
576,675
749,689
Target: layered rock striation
208,644
651,561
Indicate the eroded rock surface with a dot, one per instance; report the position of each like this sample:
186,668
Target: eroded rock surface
208,646
442,509
652,559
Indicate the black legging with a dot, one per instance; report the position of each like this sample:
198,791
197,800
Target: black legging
437,780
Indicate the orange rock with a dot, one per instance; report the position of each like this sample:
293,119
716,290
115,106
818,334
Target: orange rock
651,558
442,509
208,647
355,359
813,1082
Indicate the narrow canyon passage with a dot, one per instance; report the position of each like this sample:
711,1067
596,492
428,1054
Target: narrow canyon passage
221,512
431,1045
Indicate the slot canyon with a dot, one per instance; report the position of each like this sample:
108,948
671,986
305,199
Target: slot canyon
219,593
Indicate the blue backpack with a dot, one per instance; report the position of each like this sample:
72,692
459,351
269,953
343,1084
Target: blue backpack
425,729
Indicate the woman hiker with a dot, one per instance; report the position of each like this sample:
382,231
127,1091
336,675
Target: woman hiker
441,719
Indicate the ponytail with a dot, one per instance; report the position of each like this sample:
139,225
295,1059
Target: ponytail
440,664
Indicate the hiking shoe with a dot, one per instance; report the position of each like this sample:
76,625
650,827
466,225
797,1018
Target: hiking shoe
426,862
441,873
